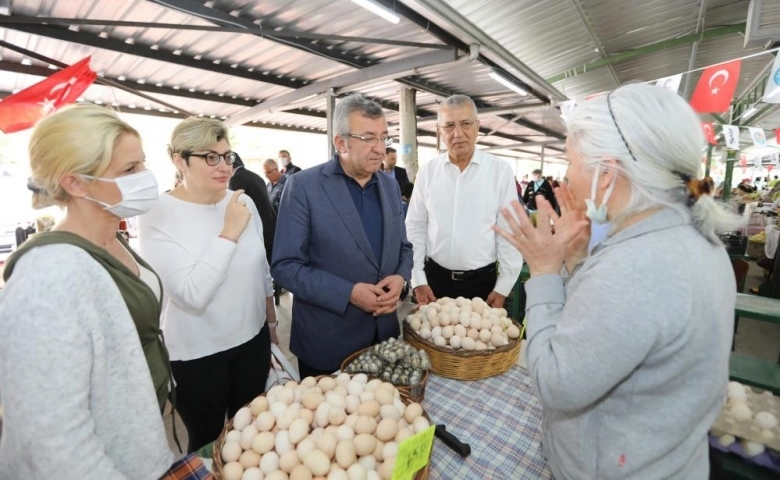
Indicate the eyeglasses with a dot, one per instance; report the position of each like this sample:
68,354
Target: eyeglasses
213,158
464,124
371,140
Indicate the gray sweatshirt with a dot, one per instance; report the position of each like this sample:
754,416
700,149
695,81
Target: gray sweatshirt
630,357
78,396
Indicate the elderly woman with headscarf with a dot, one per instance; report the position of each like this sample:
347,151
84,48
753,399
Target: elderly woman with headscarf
628,347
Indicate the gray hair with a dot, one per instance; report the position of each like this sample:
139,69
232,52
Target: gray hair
657,140
456,101
354,103
271,161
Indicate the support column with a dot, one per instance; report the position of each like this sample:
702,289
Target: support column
330,101
731,159
541,163
709,160
407,153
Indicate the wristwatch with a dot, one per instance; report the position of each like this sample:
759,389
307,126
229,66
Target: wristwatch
405,290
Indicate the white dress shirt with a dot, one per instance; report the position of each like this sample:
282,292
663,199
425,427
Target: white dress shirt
451,215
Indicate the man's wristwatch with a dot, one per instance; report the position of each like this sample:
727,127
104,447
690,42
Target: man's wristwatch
405,290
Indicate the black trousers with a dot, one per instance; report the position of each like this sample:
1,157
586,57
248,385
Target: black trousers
211,387
477,283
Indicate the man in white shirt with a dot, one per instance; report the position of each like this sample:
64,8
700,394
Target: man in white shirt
457,200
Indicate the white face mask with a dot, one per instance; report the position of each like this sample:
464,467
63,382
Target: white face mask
139,193
598,214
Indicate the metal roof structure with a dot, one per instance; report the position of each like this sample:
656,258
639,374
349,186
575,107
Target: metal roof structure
273,63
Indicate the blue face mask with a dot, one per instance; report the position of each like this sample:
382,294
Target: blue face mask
598,214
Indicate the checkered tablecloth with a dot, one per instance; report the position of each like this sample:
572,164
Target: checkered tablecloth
499,417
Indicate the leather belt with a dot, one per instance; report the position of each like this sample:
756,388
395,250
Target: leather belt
458,275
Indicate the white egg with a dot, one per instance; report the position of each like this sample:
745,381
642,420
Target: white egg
233,436
345,432
436,333
455,342
420,424
232,471
444,319
242,418
231,451
752,448
765,421
247,435
343,378
741,412
726,440
440,341
361,377
359,471
767,435
252,473
283,444
425,333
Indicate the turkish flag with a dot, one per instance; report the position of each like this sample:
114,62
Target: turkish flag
777,135
709,132
716,87
21,110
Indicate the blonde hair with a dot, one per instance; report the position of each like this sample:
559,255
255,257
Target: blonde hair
78,139
196,133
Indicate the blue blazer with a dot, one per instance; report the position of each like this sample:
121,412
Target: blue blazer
321,251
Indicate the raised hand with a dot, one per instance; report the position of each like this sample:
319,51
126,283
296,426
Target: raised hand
237,217
572,213
542,250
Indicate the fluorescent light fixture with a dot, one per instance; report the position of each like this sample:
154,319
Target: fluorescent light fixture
507,83
377,9
749,112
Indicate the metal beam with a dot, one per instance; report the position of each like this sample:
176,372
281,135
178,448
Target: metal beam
533,107
99,79
537,85
594,38
254,30
137,50
648,49
375,73
694,50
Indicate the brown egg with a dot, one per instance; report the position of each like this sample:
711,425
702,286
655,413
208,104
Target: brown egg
412,411
326,384
258,405
387,429
370,408
364,444
317,462
365,424
345,453
249,459
301,472
232,471
289,461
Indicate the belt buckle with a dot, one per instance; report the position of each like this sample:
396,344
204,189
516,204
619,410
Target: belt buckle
452,276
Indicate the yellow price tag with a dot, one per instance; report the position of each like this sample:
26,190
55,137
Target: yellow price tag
413,454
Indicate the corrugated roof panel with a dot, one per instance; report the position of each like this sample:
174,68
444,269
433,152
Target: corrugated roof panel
623,26
664,63
547,36
588,83
726,12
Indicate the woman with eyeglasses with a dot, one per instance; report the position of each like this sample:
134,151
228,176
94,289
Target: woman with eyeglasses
206,243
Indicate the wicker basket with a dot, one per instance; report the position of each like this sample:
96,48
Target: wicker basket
415,393
216,456
463,364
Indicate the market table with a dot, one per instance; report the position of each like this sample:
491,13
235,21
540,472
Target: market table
759,308
499,417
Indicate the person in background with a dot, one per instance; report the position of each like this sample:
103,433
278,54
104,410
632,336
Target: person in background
254,187
623,348
406,195
745,186
206,242
85,376
287,166
342,250
21,235
773,183
276,182
455,251
538,186
389,167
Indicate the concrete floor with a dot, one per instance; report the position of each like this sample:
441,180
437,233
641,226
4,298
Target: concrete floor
760,339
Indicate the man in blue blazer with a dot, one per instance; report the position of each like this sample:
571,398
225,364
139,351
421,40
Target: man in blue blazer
341,246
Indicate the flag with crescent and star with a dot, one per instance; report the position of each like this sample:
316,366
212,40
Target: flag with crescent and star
709,132
23,109
716,87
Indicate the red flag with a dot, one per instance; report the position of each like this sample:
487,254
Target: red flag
769,167
743,163
709,132
716,87
21,110
777,135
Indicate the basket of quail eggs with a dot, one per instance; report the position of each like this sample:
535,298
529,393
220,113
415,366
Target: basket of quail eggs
393,361
748,425
347,427
464,339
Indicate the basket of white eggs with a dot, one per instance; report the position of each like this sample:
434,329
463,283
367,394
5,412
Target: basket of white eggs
338,428
465,339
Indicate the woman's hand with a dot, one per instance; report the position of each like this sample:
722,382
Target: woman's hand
237,217
571,213
541,249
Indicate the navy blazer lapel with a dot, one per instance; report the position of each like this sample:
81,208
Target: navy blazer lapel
338,194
